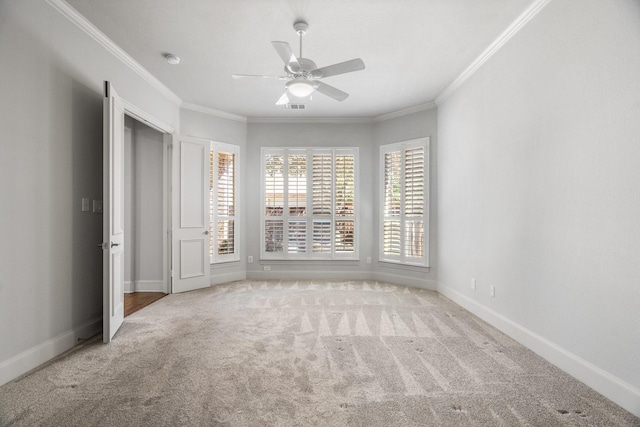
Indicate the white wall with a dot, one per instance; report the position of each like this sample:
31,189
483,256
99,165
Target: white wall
51,122
538,188
405,128
211,127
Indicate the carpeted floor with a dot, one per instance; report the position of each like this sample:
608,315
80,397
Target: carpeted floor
304,354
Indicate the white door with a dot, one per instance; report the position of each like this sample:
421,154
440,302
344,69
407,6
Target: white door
113,208
190,219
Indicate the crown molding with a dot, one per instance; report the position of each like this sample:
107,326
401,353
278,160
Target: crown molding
503,38
405,112
311,120
81,22
213,112
344,120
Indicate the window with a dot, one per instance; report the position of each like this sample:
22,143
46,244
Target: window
309,199
404,230
223,228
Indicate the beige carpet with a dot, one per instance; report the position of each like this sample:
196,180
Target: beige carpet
304,354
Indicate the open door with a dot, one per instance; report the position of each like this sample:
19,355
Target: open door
190,218
113,208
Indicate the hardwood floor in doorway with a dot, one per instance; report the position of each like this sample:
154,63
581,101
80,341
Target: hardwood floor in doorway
138,300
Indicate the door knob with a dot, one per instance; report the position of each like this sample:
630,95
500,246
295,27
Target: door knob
206,233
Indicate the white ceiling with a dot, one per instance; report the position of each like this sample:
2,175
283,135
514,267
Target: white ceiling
412,49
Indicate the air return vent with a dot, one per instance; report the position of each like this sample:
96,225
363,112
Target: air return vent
295,106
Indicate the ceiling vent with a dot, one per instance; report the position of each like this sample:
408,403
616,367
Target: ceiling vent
295,106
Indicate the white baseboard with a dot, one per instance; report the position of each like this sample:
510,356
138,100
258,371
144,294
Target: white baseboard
344,275
610,386
32,358
412,282
309,275
218,277
144,286
149,286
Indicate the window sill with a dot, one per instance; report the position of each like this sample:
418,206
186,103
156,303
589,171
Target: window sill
403,266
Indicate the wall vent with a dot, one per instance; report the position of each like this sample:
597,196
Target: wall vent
295,106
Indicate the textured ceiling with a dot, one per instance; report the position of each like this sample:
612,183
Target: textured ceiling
413,49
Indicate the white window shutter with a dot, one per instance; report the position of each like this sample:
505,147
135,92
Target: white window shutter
309,197
223,202
274,169
404,202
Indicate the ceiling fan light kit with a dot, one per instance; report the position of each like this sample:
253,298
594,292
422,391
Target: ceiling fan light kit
299,88
302,73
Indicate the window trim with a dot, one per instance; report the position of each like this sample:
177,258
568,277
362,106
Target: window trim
402,259
309,255
215,258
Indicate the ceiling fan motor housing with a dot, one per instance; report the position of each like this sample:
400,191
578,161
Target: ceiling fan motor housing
305,69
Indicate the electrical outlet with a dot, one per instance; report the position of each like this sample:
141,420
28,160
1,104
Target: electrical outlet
250,258
85,204
473,284
97,206
266,267
492,291
368,260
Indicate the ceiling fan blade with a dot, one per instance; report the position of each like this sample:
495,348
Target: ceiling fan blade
341,68
244,76
286,53
331,91
284,99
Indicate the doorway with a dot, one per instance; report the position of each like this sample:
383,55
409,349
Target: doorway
144,215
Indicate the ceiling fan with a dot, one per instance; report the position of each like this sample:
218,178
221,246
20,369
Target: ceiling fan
302,74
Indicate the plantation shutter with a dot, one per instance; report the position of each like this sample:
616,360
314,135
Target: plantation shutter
345,199
226,203
309,198
322,236
212,218
392,200
404,167
322,189
223,203
414,202
322,185
274,203
297,203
